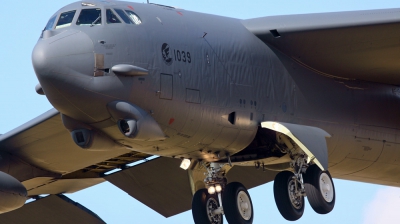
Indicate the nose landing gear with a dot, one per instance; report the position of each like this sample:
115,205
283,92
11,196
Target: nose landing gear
204,207
237,204
232,200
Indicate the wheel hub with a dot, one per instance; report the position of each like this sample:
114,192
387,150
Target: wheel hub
295,196
244,205
212,205
326,187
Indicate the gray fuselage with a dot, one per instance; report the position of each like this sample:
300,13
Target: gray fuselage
210,84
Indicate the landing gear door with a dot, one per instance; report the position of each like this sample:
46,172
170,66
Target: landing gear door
310,139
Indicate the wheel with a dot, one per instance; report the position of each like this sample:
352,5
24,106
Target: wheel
290,204
203,205
319,189
237,204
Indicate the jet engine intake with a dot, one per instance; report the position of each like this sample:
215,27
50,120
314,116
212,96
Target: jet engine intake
12,193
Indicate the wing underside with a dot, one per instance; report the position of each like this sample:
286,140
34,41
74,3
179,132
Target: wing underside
163,186
42,155
51,209
362,45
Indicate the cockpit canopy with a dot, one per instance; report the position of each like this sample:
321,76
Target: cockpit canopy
90,15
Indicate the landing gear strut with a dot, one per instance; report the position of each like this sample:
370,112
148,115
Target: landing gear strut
220,198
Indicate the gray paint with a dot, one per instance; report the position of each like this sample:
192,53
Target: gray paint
332,71
234,72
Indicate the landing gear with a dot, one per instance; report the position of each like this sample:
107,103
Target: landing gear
289,196
204,207
233,200
237,204
320,189
290,188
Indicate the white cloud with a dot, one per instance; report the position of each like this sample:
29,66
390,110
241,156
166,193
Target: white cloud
384,208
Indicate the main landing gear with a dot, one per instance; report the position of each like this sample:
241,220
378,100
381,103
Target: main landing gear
290,188
234,198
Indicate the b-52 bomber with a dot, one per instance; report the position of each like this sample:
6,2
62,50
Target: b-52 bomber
194,109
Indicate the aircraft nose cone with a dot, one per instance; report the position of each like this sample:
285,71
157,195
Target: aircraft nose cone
67,53
39,57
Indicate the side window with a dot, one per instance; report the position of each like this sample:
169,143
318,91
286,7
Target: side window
50,24
124,17
111,17
65,19
89,17
135,18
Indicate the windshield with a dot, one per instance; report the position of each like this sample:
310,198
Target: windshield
124,17
135,18
89,17
50,24
111,17
65,19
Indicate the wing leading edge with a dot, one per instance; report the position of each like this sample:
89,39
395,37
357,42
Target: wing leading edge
360,45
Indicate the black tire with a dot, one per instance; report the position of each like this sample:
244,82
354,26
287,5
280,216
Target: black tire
288,210
321,201
200,212
235,192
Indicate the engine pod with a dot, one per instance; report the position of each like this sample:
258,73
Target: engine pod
12,193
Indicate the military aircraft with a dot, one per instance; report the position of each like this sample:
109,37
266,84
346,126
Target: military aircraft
214,95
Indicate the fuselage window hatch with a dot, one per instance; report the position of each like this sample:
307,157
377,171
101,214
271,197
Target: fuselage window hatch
89,17
111,17
65,19
123,16
135,18
50,24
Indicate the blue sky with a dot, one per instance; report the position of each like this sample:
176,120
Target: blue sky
21,24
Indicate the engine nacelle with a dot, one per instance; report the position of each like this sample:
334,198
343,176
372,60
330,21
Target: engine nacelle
13,194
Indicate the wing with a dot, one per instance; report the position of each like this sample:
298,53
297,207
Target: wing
51,209
42,155
362,45
168,190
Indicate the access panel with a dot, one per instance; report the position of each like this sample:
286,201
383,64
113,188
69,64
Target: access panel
166,85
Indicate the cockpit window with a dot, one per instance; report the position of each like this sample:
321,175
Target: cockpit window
124,17
89,17
111,17
50,24
135,18
65,19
